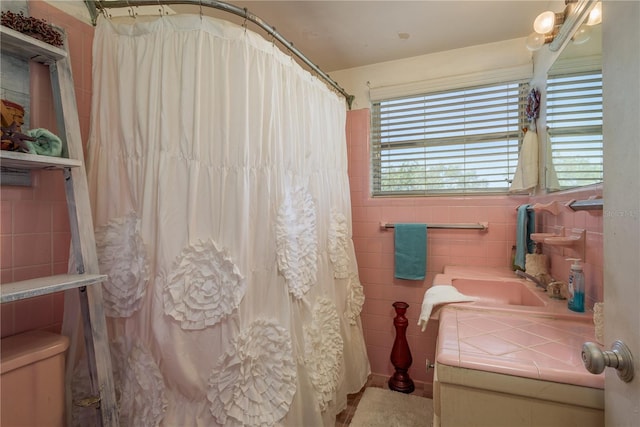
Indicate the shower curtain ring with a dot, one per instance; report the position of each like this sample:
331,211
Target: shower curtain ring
290,51
130,10
273,36
244,23
103,10
200,2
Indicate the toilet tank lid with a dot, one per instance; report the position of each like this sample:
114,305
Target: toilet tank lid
30,347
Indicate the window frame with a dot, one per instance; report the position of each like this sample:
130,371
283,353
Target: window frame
381,139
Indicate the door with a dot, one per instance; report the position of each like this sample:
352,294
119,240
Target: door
621,68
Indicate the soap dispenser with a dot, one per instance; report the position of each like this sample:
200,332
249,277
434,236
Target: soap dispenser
576,286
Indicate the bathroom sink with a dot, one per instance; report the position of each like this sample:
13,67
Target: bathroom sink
501,292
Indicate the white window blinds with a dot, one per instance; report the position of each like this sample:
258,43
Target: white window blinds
450,142
574,120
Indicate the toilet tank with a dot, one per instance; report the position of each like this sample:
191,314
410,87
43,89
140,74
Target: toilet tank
32,382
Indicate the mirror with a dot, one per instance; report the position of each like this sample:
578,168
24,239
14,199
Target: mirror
574,112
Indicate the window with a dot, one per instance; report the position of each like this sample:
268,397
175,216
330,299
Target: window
451,142
574,120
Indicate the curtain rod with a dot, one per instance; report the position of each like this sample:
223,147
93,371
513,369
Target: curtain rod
97,6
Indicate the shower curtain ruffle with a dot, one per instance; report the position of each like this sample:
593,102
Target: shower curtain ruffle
218,174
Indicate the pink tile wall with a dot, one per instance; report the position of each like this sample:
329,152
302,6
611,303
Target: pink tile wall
591,221
34,225
374,249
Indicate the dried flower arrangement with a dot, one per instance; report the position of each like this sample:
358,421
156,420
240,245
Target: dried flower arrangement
33,27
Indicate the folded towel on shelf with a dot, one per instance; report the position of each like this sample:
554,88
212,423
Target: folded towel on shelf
46,143
525,225
439,294
410,251
526,176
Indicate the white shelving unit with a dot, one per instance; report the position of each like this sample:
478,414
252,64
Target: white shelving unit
80,222
17,160
47,285
25,47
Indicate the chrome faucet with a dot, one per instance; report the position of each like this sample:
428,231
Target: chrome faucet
538,283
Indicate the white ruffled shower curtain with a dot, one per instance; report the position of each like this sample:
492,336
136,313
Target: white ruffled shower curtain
218,175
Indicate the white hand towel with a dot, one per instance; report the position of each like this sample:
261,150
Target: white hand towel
552,176
440,294
526,176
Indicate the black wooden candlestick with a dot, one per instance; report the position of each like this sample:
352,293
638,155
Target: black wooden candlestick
400,353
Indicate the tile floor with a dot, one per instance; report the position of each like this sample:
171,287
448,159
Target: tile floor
343,419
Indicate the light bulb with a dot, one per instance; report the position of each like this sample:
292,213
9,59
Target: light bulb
545,22
595,16
581,35
535,41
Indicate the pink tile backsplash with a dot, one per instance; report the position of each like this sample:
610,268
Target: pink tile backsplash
6,254
33,313
49,185
374,248
6,219
59,217
591,222
31,272
31,249
61,242
34,225
32,216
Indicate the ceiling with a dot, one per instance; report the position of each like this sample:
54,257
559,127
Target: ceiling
337,35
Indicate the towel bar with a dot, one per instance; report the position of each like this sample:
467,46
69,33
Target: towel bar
471,226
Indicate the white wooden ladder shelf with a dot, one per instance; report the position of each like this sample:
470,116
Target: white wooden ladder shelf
80,221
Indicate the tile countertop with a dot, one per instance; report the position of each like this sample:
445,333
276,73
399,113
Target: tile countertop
543,343
523,345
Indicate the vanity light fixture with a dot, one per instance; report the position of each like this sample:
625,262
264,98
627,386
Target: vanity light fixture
595,16
547,25
545,22
583,33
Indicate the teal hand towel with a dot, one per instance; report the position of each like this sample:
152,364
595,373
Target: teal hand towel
525,225
410,251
